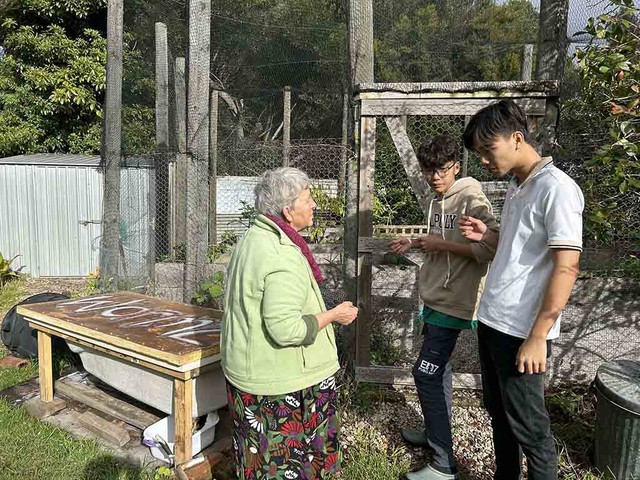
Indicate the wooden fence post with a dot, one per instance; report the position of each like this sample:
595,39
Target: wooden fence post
286,128
162,207
213,167
180,177
197,145
111,151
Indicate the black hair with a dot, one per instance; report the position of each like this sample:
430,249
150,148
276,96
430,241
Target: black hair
499,119
435,153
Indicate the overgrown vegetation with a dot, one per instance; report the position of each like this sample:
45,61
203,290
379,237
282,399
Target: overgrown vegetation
572,411
610,74
210,292
7,272
53,79
600,138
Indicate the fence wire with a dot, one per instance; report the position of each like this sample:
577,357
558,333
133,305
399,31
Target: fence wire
178,207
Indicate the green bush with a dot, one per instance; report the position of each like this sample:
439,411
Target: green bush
7,272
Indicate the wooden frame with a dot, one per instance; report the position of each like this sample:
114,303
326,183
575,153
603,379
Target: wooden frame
393,102
92,322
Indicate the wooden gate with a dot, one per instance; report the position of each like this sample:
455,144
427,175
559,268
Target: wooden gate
393,102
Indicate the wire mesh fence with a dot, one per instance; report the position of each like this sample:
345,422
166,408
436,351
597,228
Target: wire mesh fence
595,326
195,201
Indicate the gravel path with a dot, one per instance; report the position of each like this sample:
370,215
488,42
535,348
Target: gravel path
395,408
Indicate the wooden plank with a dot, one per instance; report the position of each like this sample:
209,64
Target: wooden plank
169,331
114,352
45,367
442,107
286,127
183,405
365,228
105,403
374,245
39,409
409,160
403,376
104,429
491,89
208,463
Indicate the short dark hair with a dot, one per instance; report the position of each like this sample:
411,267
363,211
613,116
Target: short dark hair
435,153
499,119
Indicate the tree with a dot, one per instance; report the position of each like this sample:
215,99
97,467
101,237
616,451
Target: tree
454,40
52,77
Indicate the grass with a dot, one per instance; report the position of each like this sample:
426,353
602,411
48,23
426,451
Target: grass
371,458
35,450
10,294
30,448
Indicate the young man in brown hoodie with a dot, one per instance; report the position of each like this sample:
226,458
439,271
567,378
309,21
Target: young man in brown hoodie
450,283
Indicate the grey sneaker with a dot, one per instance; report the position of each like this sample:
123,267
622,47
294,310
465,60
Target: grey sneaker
430,473
417,438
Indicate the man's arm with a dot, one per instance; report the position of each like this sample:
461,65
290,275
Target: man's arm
532,356
432,243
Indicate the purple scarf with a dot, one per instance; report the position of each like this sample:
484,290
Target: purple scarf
296,238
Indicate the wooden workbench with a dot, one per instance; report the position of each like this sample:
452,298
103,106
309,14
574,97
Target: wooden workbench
171,338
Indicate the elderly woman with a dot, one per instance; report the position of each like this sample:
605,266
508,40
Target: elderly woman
278,346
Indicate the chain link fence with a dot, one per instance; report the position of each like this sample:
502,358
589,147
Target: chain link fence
275,80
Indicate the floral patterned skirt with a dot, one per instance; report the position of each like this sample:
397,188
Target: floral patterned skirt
293,436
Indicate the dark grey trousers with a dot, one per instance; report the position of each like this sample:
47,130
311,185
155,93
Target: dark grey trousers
434,382
515,402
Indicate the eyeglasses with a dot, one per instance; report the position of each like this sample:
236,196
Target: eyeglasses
431,172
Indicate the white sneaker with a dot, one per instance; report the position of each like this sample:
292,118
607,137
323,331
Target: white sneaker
430,473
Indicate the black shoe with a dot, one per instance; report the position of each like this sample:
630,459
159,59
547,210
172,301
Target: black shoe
417,438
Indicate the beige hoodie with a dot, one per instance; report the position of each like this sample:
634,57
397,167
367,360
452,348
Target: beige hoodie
449,283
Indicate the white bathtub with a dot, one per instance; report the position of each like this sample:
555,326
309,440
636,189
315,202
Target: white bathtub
153,388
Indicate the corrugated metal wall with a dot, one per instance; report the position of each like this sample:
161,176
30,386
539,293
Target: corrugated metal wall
49,215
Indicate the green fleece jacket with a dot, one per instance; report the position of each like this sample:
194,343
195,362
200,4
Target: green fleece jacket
271,343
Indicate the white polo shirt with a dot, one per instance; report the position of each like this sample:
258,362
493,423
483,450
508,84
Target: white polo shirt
542,213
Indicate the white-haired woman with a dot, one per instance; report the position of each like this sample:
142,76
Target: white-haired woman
278,346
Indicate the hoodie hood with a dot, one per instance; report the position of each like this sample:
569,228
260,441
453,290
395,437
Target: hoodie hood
466,185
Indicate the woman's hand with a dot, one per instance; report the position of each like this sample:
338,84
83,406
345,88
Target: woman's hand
472,228
401,245
344,313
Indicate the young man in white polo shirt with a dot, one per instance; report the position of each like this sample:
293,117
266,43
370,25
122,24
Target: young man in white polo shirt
527,287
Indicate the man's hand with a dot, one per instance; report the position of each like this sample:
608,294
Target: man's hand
472,228
430,243
401,245
532,356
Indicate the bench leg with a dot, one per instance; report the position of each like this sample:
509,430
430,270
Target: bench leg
183,410
45,366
